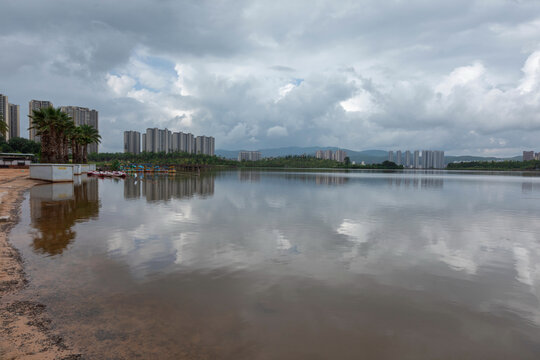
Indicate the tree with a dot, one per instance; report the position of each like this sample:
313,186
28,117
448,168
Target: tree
75,136
23,145
89,135
3,126
347,160
47,123
65,127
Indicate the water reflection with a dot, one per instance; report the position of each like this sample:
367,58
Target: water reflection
164,188
415,182
528,187
270,265
55,208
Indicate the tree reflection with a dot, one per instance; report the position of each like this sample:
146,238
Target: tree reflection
54,210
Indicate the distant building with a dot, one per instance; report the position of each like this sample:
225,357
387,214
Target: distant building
416,159
407,159
528,155
339,155
83,116
36,105
14,121
249,155
399,160
429,159
4,111
132,142
204,145
158,140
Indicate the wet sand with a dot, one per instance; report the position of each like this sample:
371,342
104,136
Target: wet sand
25,332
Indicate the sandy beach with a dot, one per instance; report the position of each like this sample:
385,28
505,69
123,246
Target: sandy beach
25,332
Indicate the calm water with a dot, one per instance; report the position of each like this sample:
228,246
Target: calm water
289,265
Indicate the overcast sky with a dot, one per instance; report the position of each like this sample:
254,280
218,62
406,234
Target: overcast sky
461,75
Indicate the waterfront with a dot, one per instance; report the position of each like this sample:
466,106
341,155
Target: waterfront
289,265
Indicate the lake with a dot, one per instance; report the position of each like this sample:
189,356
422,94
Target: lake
289,265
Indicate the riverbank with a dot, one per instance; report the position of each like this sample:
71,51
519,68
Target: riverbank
25,332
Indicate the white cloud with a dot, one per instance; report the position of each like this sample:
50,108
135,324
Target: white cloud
277,131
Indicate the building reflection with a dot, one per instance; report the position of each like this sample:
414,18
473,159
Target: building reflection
417,183
528,187
55,208
319,179
163,188
249,176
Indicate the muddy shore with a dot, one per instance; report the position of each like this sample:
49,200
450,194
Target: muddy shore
25,331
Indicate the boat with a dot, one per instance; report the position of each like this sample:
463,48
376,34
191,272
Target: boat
107,173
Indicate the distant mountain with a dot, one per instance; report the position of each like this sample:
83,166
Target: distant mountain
368,156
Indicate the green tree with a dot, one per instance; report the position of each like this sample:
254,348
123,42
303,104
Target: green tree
89,135
3,126
23,145
47,123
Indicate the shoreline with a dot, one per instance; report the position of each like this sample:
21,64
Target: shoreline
25,332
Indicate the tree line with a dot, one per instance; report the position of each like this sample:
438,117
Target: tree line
496,165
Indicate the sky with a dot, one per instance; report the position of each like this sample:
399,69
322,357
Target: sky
462,76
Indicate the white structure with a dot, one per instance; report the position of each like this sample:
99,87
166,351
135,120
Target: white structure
249,155
52,172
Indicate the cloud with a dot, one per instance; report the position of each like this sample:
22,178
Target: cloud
371,75
277,131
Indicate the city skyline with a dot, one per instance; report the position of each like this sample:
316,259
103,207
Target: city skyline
163,140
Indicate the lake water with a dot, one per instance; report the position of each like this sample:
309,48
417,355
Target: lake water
289,265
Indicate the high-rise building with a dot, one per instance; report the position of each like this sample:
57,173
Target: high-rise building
36,105
83,116
132,142
391,156
319,154
528,155
399,159
157,140
327,155
14,121
4,112
339,155
204,145
432,159
249,155
408,159
416,159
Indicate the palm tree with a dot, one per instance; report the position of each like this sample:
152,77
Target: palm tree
75,136
89,135
48,125
66,126
3,126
